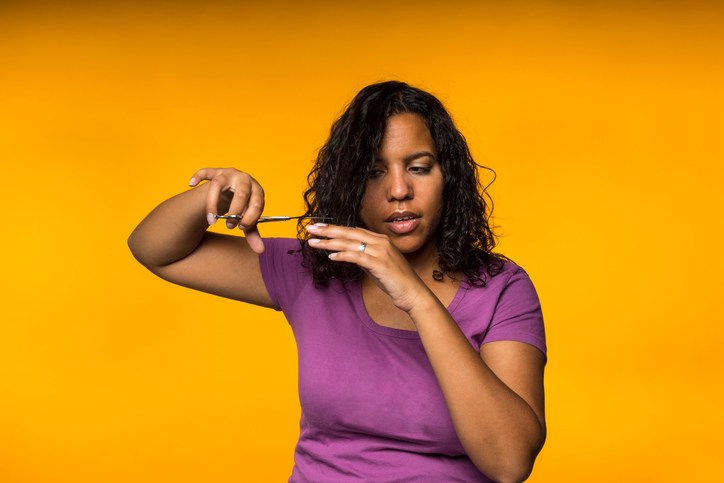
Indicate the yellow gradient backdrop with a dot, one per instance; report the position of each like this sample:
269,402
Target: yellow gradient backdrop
603,121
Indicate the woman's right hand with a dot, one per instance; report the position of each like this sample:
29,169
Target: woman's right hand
241,193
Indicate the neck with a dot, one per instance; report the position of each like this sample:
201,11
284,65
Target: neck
424,260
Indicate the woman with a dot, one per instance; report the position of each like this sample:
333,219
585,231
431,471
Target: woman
421,352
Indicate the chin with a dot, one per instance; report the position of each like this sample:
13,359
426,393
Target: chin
410,247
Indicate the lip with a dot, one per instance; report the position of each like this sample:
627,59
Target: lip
401,214
402,227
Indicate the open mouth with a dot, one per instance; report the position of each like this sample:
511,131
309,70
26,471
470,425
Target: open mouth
402,215
402,222
404,218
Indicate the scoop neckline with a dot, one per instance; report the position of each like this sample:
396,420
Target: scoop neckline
391,331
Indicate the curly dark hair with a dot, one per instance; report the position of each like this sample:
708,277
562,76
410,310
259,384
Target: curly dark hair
337,184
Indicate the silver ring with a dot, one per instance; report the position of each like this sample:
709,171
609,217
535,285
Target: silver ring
362,246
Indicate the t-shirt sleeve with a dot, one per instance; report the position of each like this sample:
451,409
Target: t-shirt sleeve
518,314
282,272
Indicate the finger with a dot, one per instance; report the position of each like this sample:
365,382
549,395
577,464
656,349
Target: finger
254,206
204,174
218,184
342,245
232,223
346,232
242,190
362,259
254,239
344,250
239,202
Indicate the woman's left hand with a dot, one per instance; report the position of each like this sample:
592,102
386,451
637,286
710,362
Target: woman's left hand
384,264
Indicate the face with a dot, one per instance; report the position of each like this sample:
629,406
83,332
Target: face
403,196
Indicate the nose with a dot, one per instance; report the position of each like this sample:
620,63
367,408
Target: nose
399,185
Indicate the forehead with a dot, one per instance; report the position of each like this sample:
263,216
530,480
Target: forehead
405,132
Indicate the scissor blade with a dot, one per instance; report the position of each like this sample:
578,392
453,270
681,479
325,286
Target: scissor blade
267,219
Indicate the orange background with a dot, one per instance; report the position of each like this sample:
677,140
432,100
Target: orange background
602,119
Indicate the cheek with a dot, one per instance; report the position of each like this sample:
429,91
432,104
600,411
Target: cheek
367,208
440,188
370,199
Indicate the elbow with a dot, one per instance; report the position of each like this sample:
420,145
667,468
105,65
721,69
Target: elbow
514,477
510,473
512,466
133,246
137,251
147,255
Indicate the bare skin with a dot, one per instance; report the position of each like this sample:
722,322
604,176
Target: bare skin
173,243
495,398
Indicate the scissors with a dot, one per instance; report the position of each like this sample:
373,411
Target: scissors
267,219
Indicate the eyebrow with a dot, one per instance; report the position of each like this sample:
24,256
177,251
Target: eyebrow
421,154
414,156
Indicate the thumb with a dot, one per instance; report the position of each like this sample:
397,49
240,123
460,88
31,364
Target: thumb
254,239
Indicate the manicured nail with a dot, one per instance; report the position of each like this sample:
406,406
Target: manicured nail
241,227
333,255
229,225
314,241
192,182
316,226
210,218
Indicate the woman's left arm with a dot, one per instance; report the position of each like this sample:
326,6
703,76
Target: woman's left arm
495,398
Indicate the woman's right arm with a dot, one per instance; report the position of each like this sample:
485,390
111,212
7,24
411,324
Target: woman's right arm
173,243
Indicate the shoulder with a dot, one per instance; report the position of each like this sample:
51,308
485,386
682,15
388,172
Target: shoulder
513,273
281,245
508,274
282,270
281,250
506,308
518,315
510,286
281,257
514,286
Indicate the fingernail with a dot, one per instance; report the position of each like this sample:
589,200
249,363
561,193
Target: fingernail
192,182
229,225
316,226
313,241
241,227
210,218
333,255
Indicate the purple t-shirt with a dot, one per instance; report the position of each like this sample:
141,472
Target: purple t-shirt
372,409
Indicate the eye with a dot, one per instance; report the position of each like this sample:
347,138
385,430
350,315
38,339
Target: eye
375,172
420,169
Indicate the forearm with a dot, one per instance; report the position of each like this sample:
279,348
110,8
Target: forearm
173,229
498,429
